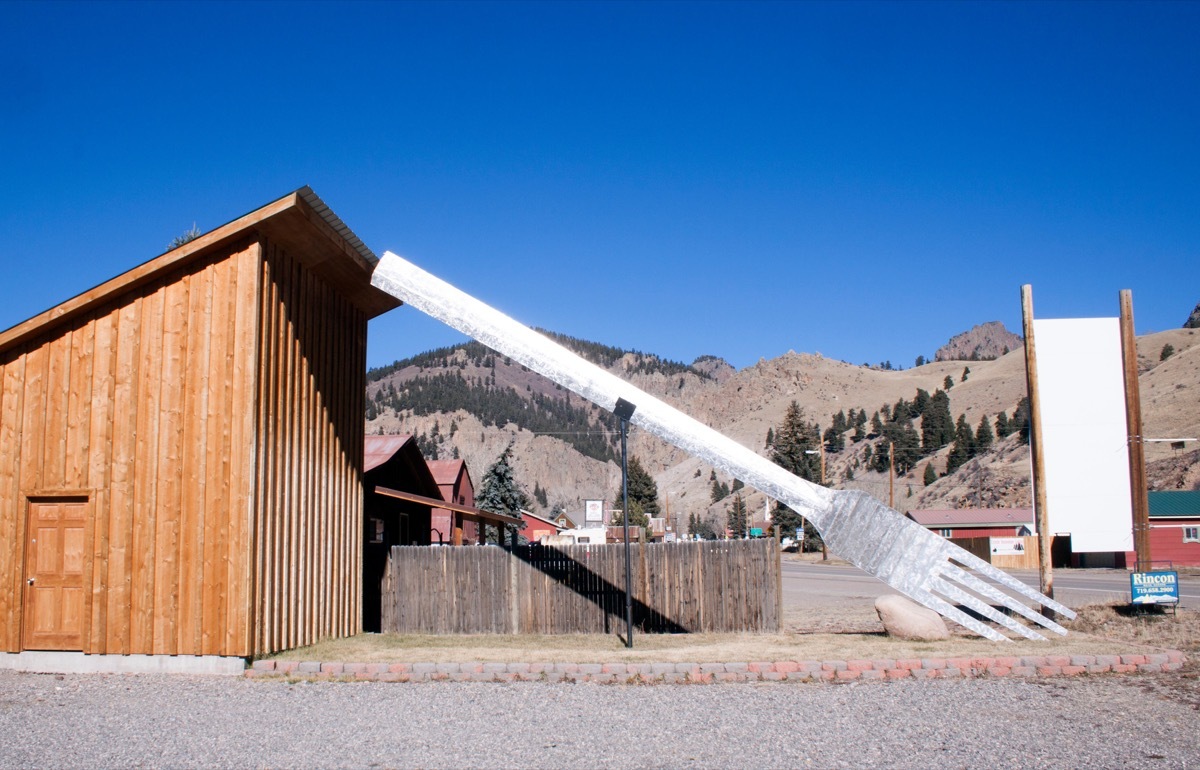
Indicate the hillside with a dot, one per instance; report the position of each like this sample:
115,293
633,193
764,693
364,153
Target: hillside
471,401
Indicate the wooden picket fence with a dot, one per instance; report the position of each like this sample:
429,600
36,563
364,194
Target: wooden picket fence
713,586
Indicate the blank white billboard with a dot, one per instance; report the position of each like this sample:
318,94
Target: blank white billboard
1081,388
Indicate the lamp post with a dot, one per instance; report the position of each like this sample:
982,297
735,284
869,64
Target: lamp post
624,410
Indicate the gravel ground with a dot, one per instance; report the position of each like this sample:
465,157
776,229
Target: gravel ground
94,721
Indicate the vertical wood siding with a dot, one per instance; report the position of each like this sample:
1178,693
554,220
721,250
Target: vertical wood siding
146,407
714,586
308,556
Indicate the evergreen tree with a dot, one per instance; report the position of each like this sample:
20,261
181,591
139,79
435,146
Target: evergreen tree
498,490
736,485
736,519
983,436
643,491
770,437
1167,351
793,440
1003,427
920,402
1021,422
966,371
930,474
948,382
876,425
963,446
920,361
937,426
718,492
539,494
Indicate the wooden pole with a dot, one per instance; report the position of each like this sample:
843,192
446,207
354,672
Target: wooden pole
1045,568
891,474
824,547
1133,425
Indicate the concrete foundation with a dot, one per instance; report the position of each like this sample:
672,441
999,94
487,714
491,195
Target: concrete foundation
78,663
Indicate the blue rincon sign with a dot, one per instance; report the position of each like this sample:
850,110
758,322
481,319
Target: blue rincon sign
1154,587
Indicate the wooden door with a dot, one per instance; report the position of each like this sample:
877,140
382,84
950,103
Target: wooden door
54,560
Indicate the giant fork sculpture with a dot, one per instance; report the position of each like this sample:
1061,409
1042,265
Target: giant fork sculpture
854,525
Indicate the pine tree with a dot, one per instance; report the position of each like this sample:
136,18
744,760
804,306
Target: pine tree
930,474
1003,427
736,519
963,446
937,426
643,491
948,382
983,436
498,490
966,371
1167,351
1021,423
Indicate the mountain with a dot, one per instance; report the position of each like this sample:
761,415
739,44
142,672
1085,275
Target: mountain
471,401
982,342
1193,321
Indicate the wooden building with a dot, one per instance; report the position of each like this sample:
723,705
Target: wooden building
446,526
181,447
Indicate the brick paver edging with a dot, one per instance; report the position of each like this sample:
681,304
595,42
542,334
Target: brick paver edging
684,673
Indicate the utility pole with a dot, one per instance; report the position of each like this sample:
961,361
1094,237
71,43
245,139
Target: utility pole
1045,567
1137,446
892,475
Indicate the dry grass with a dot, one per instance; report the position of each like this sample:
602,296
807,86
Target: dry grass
1116,622
690,648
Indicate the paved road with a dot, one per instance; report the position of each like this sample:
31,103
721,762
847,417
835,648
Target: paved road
815,582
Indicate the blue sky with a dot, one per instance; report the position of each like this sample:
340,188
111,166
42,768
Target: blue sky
862,180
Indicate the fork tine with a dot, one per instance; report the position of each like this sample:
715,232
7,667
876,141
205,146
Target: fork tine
991,592
948,610
952,591
977,564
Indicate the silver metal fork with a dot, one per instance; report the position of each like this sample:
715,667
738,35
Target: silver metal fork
857,527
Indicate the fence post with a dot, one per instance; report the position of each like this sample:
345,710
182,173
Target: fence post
514,607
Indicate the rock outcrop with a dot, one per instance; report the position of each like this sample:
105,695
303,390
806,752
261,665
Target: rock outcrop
982,342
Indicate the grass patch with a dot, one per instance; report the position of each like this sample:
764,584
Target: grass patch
683,648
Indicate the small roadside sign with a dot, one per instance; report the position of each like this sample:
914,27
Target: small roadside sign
1159,587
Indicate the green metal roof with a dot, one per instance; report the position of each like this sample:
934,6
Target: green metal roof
1168,504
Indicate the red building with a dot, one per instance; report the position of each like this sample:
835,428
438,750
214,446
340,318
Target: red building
976,522
1174,529
537,527
455,484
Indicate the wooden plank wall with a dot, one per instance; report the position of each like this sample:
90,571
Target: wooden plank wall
982,547
308,558
716,586
146,407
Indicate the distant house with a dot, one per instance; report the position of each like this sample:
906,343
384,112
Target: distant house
537,528
1175,528
456,487
976,522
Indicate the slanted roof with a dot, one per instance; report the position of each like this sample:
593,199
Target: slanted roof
392,460
1174,504
300,222
377,450
446,471
973,517
542,519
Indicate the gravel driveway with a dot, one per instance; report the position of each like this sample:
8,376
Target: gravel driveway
174,721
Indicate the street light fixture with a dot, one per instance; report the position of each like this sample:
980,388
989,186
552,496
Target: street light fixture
624,411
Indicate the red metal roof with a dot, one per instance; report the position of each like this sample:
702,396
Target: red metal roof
377,450
973,517
445,471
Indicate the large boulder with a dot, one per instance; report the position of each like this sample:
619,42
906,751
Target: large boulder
905,619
